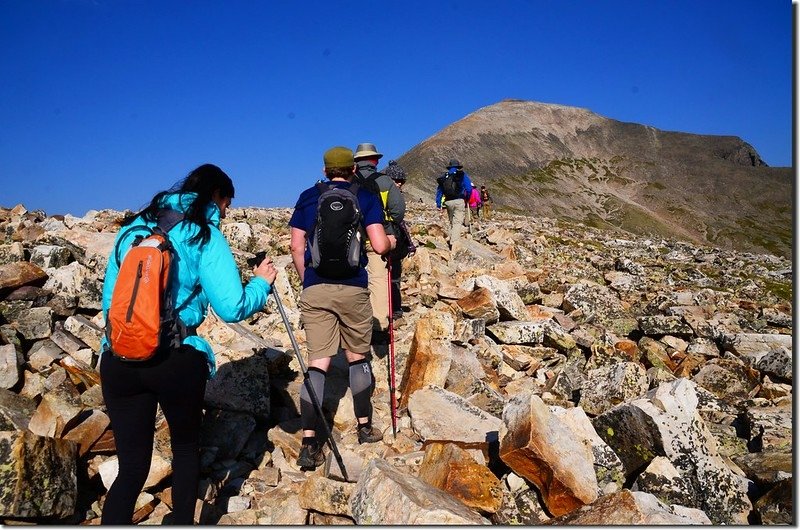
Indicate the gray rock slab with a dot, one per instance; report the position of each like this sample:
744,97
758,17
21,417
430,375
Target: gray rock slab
388,496
440,415
9,366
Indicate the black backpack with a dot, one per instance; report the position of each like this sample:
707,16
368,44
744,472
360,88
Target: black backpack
369,183
337,240
452,184
405,245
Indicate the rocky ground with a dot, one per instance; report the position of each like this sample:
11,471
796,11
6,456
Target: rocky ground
547,373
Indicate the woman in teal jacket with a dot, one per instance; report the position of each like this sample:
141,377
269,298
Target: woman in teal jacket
175,377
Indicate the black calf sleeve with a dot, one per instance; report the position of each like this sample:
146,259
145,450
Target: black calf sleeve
308,413
362,382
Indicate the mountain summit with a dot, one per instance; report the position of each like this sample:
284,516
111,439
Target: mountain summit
570,163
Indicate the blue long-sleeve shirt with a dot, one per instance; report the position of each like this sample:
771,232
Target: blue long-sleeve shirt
466,184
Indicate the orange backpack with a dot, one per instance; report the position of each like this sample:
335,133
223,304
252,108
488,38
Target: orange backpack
142,311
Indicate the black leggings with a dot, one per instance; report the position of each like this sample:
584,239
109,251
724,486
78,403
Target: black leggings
176,380
397,271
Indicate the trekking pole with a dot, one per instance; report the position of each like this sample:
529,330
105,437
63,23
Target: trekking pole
310,387
392,398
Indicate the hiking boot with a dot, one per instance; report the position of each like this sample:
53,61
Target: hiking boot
311,456
368,434
380,336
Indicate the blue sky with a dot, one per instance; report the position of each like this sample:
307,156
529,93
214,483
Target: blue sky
105,102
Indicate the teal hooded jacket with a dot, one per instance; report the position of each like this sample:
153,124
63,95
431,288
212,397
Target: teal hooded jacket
207,265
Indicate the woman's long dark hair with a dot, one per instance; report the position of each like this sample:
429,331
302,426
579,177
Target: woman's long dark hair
204,181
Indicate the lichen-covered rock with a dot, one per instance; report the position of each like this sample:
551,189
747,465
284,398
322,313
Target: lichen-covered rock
666,423
10,366
226,430
718,317
608,386
11,253
239,234
50,256
726,378
15,410
607,465
77,280
241,383
509,303
34,323
631,508
327,496
520,508
655,325
770,424
518,332
593,299
753,344
777,505
655,354
777,363
766,467
667,483
38,476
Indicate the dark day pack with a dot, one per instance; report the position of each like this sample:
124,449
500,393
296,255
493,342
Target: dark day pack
451,184
337,241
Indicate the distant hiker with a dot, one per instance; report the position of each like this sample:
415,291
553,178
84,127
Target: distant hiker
485,200
334,305
474,203
452,193
204,272
405,246
394,207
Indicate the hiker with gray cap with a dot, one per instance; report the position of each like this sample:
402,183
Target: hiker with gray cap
405,246
394,207
452,192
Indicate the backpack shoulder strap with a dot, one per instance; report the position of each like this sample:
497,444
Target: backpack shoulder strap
322,187
130,229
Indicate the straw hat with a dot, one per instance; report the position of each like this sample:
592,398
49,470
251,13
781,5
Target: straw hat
367,151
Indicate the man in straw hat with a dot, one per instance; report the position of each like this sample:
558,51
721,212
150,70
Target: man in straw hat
394,206
335,312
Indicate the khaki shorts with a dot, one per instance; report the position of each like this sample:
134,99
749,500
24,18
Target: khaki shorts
336,316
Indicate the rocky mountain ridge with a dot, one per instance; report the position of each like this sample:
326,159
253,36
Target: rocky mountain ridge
548,373
568,163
